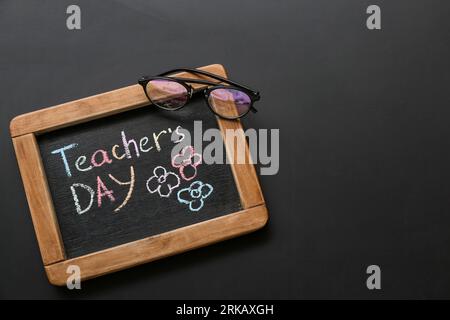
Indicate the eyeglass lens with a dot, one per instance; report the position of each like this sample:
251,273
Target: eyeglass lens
167,94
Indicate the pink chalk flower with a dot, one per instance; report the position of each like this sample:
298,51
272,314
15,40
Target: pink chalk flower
186,162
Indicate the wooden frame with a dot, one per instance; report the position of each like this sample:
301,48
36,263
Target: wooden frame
24,129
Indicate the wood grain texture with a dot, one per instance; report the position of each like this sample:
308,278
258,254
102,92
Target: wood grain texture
90,108
39,199
244,174
160,246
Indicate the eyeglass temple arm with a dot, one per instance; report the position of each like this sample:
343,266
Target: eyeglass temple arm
208,74
188,80
199,81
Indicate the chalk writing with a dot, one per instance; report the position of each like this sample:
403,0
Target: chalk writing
77,201
103,191
127,149
130,191
163,182
62,151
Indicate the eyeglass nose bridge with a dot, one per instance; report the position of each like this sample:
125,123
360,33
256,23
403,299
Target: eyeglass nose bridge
143,81
206,93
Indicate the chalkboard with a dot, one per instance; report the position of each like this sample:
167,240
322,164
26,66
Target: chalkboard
113,182
148,211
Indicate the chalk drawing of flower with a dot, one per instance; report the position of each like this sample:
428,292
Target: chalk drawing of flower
186,162
195,194
162,181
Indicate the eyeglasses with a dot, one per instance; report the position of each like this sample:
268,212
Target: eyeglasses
227,99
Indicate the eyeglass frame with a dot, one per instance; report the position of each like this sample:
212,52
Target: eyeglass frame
252,94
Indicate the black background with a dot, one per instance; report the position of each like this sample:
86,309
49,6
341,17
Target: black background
144,214
364,127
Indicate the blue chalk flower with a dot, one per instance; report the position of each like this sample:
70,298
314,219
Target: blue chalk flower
195,194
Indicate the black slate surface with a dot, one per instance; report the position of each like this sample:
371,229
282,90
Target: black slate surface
145,213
